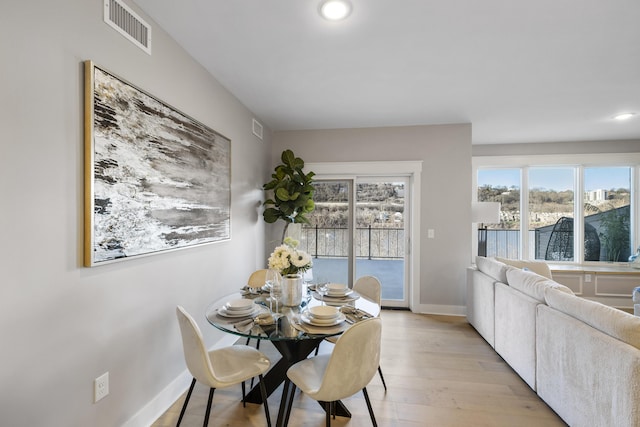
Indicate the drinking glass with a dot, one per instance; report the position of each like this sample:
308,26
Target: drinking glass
274,281
269,277
322,289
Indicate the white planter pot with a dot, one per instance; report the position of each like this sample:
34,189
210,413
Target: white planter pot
292,290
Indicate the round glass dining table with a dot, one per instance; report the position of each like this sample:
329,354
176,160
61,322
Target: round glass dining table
293,338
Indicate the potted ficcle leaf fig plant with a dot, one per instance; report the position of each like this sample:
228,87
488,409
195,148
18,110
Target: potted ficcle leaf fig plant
292,193
292,199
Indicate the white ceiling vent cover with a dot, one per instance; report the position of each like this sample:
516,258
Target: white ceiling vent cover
124,20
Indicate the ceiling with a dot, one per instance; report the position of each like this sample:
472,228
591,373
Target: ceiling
534,71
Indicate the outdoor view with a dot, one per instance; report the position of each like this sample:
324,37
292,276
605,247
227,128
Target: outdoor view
378,239
551,210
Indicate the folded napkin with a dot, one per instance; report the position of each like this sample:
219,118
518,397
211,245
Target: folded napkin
244,325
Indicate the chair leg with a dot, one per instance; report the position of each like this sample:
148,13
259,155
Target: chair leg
282,412
366,398
318,348
292,393
263,392
186,400
257,348
244,392
327,410
382,378
206,416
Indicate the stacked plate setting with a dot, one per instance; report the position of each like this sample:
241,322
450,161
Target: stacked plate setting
239,308
337,290
323,315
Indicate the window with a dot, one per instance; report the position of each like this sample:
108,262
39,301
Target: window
551,212
607,210
502,185
571,213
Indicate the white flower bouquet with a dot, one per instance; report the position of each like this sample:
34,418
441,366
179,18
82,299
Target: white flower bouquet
287,259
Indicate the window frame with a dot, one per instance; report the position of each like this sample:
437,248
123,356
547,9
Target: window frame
579,162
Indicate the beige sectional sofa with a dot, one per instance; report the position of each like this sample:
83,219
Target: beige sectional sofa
581,357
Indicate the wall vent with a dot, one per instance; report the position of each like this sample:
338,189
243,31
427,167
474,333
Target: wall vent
125,21
257,128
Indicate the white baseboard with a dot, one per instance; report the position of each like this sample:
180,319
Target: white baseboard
449,310
167,397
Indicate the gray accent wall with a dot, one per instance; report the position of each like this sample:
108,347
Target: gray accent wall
445,192
61,324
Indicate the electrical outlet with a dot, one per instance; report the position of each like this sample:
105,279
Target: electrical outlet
100,387
587,278
431,233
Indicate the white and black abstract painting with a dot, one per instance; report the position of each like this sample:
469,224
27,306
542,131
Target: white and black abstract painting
157,179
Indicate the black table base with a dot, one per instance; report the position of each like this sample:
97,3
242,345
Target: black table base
292,352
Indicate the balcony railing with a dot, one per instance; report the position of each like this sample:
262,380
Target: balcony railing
506,243
370,242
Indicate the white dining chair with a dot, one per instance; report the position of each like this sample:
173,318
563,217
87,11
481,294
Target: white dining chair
348,369
256,281
221,367
257,278
370,288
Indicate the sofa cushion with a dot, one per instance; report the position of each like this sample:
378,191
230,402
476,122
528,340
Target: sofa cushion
515,331
492,268
538,267
532,284
616,323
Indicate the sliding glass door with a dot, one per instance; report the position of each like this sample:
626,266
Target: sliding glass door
360,227
381,234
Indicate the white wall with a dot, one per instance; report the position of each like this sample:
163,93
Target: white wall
446,175
62,325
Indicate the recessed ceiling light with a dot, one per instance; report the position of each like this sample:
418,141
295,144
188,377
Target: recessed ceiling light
624,116
335,10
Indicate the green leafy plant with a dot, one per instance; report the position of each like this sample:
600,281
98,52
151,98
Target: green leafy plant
615,238
292,193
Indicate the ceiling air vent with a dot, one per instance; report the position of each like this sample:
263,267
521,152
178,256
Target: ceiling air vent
124,20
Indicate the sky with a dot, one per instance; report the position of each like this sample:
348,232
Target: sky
558,179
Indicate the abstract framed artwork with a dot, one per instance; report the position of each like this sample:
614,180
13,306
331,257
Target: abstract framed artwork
155,179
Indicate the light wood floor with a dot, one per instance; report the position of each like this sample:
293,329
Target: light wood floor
439,373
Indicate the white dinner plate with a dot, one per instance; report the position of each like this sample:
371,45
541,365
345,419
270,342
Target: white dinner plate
333,300
322,322
339,294
323,312
242,304
246,313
